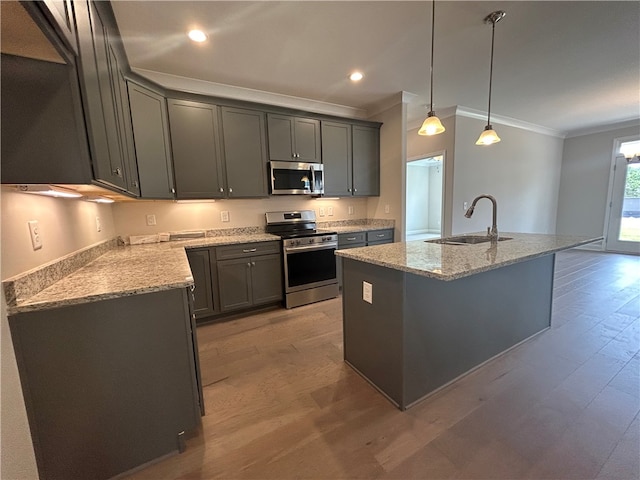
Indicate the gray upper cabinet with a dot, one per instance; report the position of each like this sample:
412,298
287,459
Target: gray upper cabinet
196,152
245,152
351,158
337,159
366,160
151,139
294,139
60,13
98,97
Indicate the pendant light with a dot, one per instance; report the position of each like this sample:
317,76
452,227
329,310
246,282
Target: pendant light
489,135
432,124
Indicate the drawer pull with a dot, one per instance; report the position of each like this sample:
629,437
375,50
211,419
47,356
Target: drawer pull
351,239
249,250
380,235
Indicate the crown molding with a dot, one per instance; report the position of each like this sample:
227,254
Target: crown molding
390,101
508,121
634,122
203,87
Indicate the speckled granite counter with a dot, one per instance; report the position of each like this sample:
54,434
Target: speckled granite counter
450,262
127,270
356,226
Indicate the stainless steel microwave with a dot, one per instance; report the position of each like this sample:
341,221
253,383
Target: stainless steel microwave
296,178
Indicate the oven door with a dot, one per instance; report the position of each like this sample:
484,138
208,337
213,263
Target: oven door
309,266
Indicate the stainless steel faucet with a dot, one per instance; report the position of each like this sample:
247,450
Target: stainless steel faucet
493,231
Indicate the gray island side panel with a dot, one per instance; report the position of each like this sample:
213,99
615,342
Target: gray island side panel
452,327
373,331
421,333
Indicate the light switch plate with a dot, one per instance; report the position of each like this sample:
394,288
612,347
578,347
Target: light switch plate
224,215
34,231
321,211
98,224
350,210
151,220
330,211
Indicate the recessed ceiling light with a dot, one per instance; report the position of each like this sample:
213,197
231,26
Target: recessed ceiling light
356,76
197,35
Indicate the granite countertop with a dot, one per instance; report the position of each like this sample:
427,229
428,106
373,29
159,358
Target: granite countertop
354,228
128,270
450,262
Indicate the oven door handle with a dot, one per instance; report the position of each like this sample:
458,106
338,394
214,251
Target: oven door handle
310,247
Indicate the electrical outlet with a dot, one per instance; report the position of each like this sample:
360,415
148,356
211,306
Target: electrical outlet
321,211
224,215
36,238
98,224
350,210
151,220
465,206
367,292
386,208
330,211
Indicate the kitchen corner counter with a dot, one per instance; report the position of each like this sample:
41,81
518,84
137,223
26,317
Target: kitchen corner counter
127,270
450,262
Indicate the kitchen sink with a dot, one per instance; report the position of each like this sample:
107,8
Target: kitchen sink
466,240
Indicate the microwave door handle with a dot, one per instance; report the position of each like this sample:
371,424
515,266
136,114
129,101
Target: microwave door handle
313,179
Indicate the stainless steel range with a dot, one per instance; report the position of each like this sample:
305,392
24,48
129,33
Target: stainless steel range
309,260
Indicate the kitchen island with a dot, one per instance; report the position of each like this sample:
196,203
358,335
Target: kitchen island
418,315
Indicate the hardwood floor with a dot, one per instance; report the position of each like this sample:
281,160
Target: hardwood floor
281,403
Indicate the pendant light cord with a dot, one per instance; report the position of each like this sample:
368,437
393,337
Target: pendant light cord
493,34
433,21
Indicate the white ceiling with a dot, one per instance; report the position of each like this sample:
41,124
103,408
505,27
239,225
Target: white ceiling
567,66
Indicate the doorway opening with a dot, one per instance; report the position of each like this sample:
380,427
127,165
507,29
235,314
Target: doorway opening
623,226
424,197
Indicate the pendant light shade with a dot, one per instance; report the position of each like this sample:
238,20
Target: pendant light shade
432,124
489,135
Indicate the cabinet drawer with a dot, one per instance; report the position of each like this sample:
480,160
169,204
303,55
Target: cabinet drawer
380,236
247,250
346,240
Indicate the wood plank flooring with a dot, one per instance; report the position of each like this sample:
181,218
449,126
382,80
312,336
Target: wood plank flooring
281,403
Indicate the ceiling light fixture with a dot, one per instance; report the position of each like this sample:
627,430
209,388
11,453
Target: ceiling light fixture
432,124
489,135
48,190
356,76
197,35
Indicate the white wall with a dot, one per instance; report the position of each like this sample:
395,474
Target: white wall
522,172
66,225
584,183
418,198
392,170
421,147
435,198
130,217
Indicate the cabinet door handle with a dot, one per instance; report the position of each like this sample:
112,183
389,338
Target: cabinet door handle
249,250
355,190
221,190
253,264
349,190
173,190
135,183
118,172
230,190
248,264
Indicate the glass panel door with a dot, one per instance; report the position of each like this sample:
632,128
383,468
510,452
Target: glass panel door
623,233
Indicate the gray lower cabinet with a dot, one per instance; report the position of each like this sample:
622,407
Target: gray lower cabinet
235,277
108,385
293,138
351,159
361,239
150,126
249,275
202,264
